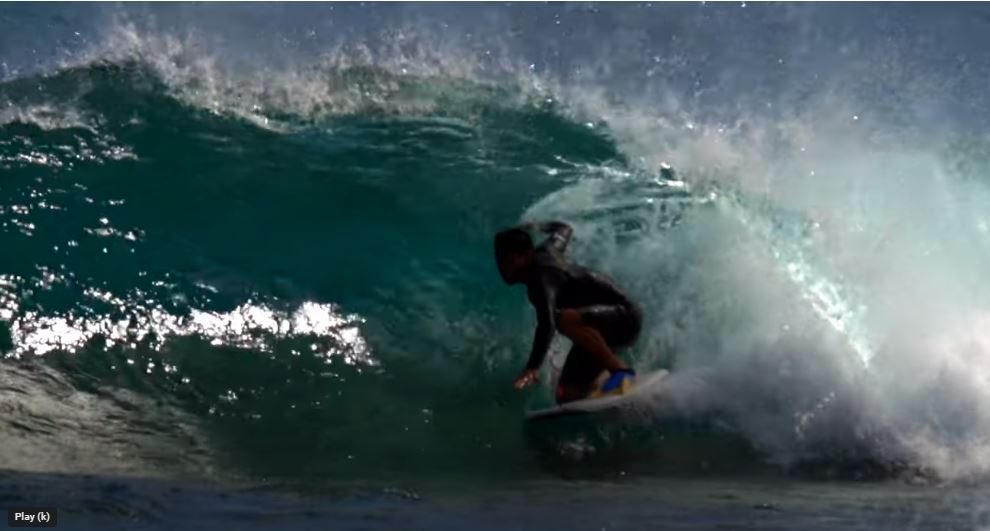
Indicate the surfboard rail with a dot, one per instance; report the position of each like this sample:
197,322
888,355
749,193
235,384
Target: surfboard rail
589,406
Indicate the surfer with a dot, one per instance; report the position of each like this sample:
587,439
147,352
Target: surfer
581,304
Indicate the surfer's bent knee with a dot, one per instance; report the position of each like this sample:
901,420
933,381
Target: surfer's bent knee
568,321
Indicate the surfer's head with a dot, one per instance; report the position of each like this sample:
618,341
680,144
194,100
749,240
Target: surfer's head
513,254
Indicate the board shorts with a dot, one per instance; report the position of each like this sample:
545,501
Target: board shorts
618,324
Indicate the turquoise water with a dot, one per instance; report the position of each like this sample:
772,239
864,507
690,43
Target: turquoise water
247,273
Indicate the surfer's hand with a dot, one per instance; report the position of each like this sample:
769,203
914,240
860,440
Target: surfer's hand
527,378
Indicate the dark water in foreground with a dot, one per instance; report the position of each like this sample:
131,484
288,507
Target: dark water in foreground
86,502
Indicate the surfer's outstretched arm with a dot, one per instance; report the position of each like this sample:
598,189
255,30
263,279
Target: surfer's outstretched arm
542,296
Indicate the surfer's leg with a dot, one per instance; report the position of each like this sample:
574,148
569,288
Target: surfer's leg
597,329
578,377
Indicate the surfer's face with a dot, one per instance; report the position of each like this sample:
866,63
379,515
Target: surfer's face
513,267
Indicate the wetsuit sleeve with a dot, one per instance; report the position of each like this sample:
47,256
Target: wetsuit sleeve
559,234
542,296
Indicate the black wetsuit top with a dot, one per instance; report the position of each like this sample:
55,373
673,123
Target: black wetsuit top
557,284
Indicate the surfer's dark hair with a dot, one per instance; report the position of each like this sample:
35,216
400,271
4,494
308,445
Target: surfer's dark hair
512,241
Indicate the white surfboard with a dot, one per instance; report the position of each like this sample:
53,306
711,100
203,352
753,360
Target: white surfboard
641,387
